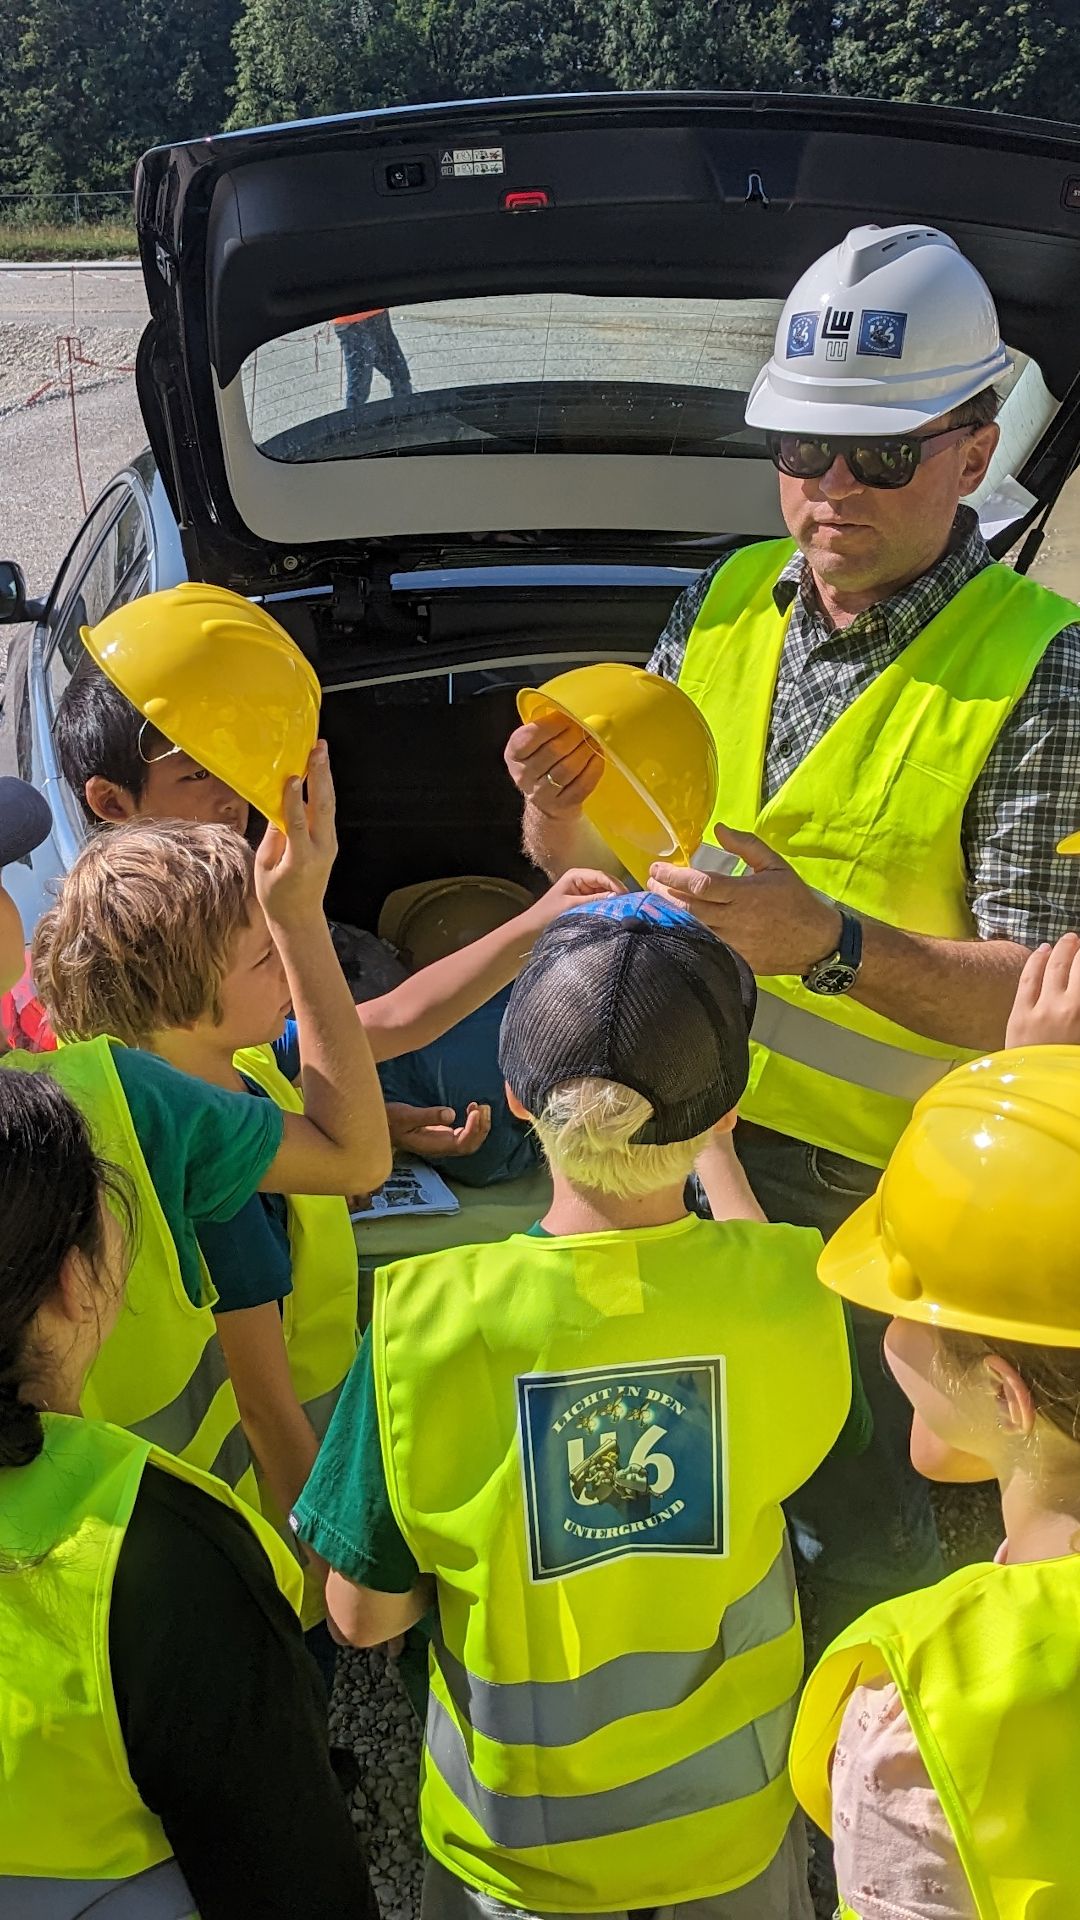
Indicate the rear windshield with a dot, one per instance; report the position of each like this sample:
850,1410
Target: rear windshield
523,373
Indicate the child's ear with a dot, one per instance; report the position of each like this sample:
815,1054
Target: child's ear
110,801
519,1112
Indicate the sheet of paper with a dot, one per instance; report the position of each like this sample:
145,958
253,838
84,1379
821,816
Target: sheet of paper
413,1188
1001,509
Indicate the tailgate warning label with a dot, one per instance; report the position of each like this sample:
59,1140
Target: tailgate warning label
458,163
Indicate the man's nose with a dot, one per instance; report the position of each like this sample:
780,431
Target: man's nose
839,482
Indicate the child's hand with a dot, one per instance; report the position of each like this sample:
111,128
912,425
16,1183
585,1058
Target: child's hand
431,1132
1046,1010
292,868
581,883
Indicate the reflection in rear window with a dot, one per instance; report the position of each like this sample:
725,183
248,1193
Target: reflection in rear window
527,373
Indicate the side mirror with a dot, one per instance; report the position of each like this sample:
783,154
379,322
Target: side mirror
14,605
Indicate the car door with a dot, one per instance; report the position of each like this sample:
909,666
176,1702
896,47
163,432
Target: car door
109,563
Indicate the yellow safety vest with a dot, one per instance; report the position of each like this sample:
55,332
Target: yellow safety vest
74,1833
587,1440
871,816
987,1665
319,1316
161,1372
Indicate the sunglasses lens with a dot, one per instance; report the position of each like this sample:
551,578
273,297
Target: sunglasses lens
803,458
884,463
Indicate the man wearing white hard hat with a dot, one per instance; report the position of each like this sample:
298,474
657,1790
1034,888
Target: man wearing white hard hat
897,721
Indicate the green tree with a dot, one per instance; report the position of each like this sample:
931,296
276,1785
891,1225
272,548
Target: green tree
1019,57
88,85
727,44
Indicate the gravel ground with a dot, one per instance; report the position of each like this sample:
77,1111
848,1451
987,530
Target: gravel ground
371,1715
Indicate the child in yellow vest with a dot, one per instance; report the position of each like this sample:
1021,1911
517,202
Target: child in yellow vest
577,1442
158,941
939,1737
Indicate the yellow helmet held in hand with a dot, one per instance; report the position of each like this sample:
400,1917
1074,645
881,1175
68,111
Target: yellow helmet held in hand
219,678
974,1224
657,792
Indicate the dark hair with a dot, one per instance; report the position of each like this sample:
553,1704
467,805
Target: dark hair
51,1188
980,411
1050,1374
97,737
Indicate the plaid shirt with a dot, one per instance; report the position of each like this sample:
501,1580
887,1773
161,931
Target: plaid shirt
1028,793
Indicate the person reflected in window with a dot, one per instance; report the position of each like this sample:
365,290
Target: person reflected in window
369,345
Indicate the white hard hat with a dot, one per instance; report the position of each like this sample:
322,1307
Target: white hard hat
883,334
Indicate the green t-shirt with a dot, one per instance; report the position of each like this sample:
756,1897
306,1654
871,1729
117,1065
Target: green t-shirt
206,1149
344,1511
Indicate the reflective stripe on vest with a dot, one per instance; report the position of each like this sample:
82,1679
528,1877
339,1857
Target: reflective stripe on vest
590,1681
551,1713
320,1314
75,1835
730,1770
872,816
844,1054
160,1373
161,1893
987,1666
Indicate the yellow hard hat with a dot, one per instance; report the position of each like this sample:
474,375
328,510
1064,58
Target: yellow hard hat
220,679
438,917
658,789
974,1223
1070,844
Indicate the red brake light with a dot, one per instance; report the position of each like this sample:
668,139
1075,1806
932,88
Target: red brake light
533,201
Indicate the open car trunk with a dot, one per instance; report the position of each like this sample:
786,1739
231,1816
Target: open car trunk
418,761
582,290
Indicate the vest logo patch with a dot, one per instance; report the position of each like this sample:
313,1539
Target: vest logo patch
619,1460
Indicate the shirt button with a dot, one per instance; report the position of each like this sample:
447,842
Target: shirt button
783,748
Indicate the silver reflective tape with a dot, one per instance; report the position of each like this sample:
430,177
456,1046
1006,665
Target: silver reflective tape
320,1410
730,1769
813,1041
161,1893
174,1427
558,1713
233,1458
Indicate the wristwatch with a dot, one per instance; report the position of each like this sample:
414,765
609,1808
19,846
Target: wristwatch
838,972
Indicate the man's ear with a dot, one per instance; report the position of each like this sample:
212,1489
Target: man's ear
109,801
978,453
519,1112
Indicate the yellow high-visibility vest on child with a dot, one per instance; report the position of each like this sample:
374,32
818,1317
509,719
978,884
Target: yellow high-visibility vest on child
73,1828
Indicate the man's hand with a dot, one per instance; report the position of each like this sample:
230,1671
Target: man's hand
1046,1010
555,765
292,868
431,1133
771,917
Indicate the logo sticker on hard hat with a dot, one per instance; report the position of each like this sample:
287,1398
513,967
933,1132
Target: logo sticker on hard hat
836,332
801,335
882,333
622,1460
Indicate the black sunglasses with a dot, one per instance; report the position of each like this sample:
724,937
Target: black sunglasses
873,463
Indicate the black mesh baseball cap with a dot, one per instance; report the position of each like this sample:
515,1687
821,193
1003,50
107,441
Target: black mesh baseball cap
25,820
632,989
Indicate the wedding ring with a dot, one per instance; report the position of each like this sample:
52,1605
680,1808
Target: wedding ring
552,782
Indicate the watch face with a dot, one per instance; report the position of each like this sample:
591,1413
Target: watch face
835,976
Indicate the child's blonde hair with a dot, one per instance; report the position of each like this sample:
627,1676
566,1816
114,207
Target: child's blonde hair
140,938
587,1128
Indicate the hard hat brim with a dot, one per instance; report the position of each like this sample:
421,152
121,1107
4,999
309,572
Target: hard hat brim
783,401
857,1264
399,906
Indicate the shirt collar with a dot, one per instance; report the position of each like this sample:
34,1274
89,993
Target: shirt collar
909,610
